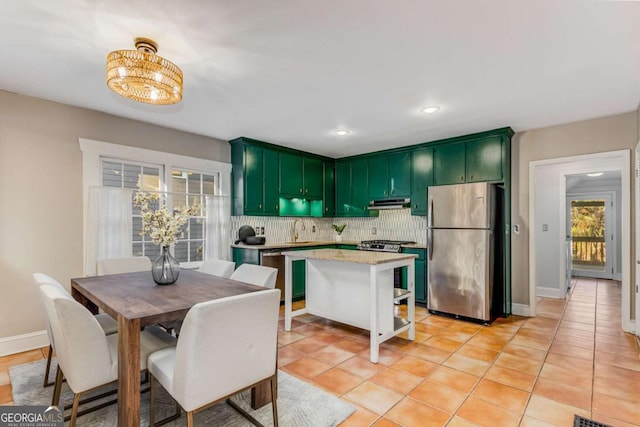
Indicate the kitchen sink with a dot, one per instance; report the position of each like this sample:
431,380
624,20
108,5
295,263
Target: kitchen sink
299,241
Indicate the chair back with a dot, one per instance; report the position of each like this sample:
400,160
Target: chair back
218,267
225,346
81,345
256,275
123,265
41,279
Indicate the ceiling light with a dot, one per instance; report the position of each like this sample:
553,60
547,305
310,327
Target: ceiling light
342,132
595,174
143,76
430,109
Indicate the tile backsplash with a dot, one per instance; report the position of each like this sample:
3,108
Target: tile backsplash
392,224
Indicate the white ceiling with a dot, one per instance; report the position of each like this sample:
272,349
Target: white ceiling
292,71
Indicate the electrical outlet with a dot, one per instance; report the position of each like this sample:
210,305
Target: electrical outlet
516,229
545,227
374,231
313,228
262,230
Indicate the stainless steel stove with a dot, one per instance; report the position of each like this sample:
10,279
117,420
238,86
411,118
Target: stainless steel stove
383,245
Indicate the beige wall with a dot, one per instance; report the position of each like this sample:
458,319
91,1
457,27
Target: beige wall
591,136
41,192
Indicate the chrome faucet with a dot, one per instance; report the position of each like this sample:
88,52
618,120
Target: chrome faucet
294,233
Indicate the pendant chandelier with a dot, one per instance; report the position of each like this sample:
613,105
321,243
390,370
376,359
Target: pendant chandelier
143,76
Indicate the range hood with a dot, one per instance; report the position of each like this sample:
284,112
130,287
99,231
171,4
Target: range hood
389,204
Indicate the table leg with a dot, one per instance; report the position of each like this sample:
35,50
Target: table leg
411,310
128,372
260,395
373,314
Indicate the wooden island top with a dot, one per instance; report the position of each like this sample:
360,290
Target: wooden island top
356,257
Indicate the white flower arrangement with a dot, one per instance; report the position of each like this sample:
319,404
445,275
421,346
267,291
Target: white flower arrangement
162,226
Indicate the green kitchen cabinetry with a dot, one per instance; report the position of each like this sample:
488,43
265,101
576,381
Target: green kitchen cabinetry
389,175
245,256
449,164
347,247
329,190
420,276
359,187
343,188
255,179
300,176
421,178
476,160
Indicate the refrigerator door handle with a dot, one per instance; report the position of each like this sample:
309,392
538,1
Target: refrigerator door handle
430,229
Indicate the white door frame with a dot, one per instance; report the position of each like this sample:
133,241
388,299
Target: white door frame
619,160
610,230
637,222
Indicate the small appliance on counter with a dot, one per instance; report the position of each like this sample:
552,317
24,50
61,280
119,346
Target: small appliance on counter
247,235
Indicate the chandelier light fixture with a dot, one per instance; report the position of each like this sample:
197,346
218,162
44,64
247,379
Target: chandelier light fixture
143,76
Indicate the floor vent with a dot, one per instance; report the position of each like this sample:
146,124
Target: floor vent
579,421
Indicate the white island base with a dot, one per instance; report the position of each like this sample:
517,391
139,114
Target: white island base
355,288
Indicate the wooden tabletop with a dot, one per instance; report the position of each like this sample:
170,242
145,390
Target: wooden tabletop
137,296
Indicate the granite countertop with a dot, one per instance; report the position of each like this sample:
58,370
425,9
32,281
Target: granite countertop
307,243
356,257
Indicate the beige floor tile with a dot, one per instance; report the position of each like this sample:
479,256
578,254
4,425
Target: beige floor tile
453,378
360,418
332,355
338,381
528,421
553,412
510,377
429,353
622,409
485,413
442,343
457,421
527,352
478,353
385,422
393,379
618,360
308,345
361,367
306,367
502,395
519,363
466,364
439,396
386,356
374,397
416,366
287,355
601,418
564,393
411,413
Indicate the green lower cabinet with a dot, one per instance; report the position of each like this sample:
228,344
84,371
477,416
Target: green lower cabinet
299,278
348,247
420,277
245,256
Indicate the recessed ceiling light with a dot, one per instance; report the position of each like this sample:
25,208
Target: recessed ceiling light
430,109
595,174
342,132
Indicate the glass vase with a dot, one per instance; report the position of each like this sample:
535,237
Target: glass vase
165,269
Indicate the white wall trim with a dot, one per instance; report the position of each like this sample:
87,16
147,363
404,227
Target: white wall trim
520,309
622,159
547,292
24,342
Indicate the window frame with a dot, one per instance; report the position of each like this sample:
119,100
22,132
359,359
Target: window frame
94,151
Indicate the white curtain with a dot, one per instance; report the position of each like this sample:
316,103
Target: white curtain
218,244
109,226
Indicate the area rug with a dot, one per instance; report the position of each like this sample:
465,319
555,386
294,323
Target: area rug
299,403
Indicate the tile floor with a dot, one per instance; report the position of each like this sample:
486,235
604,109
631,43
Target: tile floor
570,359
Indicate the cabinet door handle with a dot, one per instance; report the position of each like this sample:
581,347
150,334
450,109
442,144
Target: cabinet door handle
385,192
260,206
415,206
461,177
277,207
306,190
471,177
301,190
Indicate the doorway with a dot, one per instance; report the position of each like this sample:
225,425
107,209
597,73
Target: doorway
590,226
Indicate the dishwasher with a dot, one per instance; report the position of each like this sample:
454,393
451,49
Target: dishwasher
275,259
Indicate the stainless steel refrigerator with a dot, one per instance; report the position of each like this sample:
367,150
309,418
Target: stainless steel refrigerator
460,242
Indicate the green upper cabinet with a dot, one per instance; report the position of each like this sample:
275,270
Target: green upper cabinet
399,174
389,175
329,196
255,179
449,163
421,178
475,160
270,159
359,187
291,175
484,159
379,176
343,188
313,177
300,176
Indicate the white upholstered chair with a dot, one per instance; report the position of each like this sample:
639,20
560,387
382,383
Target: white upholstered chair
87,357
256,275
123,265
217,267
226,346
108,323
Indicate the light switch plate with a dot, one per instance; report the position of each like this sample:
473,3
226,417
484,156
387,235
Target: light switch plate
545,227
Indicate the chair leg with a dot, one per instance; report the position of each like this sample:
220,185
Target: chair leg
48,369
152,400
55,399
274,399
74,410
190,419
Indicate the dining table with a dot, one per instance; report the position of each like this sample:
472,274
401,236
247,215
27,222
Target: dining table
136,301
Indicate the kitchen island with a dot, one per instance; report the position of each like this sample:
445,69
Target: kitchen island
355,288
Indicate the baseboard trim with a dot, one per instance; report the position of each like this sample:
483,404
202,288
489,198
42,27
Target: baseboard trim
550,292
521,309
24,342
